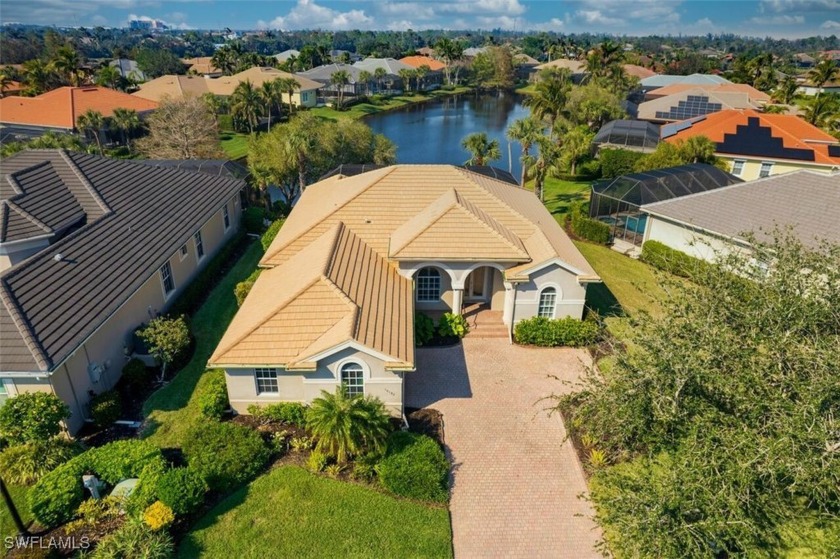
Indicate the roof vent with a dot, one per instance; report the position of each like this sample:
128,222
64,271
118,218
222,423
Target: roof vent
58,257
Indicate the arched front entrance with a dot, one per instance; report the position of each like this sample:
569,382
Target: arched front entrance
484,285
433,289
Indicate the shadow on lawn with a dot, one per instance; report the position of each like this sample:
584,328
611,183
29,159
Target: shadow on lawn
600,299
564,202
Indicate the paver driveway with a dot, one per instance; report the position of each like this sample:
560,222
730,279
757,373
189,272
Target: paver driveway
515,483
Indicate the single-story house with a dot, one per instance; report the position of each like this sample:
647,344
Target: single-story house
811,89
804,60
636,71
691,103
90,248
323,75
202,66
392,68
702,224
756,97
576,67
358,255
757,145
662,80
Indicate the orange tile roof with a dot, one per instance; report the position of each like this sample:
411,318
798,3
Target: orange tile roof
638,71
417,61
794,132
60,108
754,94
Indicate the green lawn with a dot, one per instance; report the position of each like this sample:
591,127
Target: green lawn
234,144
19,498
560,194
171,411
292,513
363,109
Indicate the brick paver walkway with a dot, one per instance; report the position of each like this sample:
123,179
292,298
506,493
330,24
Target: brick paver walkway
515,484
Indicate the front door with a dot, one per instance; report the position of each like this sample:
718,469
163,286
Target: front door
475,289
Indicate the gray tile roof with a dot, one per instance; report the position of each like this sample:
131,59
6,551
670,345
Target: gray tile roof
49,307
323,74
805,200
662,80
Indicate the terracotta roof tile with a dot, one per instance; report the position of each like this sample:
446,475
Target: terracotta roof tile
417,61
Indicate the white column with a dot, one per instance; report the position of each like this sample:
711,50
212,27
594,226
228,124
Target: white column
507,315
457,300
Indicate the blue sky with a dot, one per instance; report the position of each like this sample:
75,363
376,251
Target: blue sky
777,18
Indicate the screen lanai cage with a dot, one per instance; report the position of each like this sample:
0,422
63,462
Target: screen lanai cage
617,201
637,135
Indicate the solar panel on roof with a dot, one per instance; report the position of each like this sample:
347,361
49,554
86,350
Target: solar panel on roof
755,139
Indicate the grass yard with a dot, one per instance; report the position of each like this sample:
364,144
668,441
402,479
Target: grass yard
171,411
560,194
363,109
234,144
19,498
292,513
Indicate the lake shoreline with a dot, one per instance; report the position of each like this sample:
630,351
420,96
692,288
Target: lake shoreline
361,110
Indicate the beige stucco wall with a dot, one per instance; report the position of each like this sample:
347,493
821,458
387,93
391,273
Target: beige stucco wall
685,239
497,298
445,303
752,167
72,381
571,295
300,386
308,98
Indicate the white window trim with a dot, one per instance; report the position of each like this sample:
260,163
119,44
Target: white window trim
770,165
225,217
257,384
361,363
167,295
539,300
199,239
183,252
735,162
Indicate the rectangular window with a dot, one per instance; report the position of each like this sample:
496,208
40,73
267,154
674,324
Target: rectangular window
548,299
428,285
199,245
266,381
353,380
765,170
226,216
184,252
4,393
166,278
738,167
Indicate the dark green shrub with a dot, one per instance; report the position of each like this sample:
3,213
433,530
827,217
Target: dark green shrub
252,219
31,417
55,498
452,325
588,228
415,466
293,413
424,328
26,463
182,490
347,426
671,260
105,408
547,332
224,454
589,169
617,162
135,539
270,233
135,375
213,395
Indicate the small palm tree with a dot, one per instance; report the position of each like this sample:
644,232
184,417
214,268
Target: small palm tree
379,75
91,122
288,86
246,104
406,75
785,92
126,121
347,425
421,73
340,79
482,149
108,76
525,131
365,77
824,72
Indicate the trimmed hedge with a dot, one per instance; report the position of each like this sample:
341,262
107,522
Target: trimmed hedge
105,408
617,162
671,260
213,395
225,455
182,490
588,228
252,219
55,498
415,466
270,233
25,464
293,413
547,332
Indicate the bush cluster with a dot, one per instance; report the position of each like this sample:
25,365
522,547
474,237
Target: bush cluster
158,516
617,162
24,464
252,219
293,413
424,328
105,408
241,291
452,325
587,228
670,260
32,417
225,455
213,395
548,332
135,375
135,539
182,490
415,466
270,233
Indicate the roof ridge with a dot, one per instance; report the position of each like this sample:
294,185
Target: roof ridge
29,338
37,222
471,175
340,228
491,223
450,192
106,209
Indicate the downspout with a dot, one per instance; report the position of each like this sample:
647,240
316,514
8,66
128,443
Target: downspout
512,316
402,406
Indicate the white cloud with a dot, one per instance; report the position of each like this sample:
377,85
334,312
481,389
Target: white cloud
499,22
830,24
307,14
596,17
554,24
800,5
778,20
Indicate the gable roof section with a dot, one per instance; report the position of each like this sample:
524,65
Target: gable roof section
638,71
751,133
173,86
575,66
691,103
50,307
417,61
661,80
805,200
61,108
754,94
323,74
257,75
391,65
335,290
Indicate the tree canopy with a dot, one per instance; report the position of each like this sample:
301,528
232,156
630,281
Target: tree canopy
181,129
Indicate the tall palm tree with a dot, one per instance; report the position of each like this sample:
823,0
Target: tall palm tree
421,72
365,77
525,131
91,122
543,163
302,144
482,149
246,104
5,82
339,79
39,76
406,75
126,121
66,63
379,75
445,48
271,95
289,86
824,72
549,97
822,110
108,76
785,92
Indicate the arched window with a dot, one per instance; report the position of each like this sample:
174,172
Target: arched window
548,299
428,285
353,379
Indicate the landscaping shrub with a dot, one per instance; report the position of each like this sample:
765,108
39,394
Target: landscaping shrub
135,375
270,233
31,417
424,328
213,395
415,466
252,219
452,325
182,490
158,516
135,539
588,228
346,426
105,408
589,169
93,513
548,332
225,455
168,337
241,291
317,461
55,498
24,464
293,413
617,162
670,260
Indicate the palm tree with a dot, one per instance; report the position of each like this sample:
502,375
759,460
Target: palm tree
482,149
347,425
421,72
5,82
126,121
379,75
549,97
288,86
543,164
246,104
824,72
525,131
91,122
66,63
577,144
786,91
39,76
697,149
822,110
339,79
365,77
108,76
271,94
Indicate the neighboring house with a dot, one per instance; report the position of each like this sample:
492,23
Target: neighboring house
703,224
757,145
338,55
636,71
472,52
359,254
392,69
756,97
128,69
811,89
91,248
203,66
434,78
173,86
323,75
576,67
286,54
804,60
662,80
59,109
691,103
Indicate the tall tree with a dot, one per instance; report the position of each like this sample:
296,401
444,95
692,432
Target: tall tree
824,72
406,74
379,75
482,149
549,97
92,122
366,77
420,73
246,105
181,129
109,76
66,64
450,51
289,86
577,144
39,76
339,80
785,92
126,121
525,131
272,96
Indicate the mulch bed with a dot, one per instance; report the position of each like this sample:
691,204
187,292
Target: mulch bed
64,543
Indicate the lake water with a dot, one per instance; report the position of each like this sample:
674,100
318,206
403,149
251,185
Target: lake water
432,132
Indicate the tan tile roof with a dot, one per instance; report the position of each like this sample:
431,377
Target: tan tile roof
335,290
754,94
257,75
575,66
174,87
201,65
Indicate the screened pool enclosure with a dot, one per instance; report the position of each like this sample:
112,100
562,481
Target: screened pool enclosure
637,135
617,201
